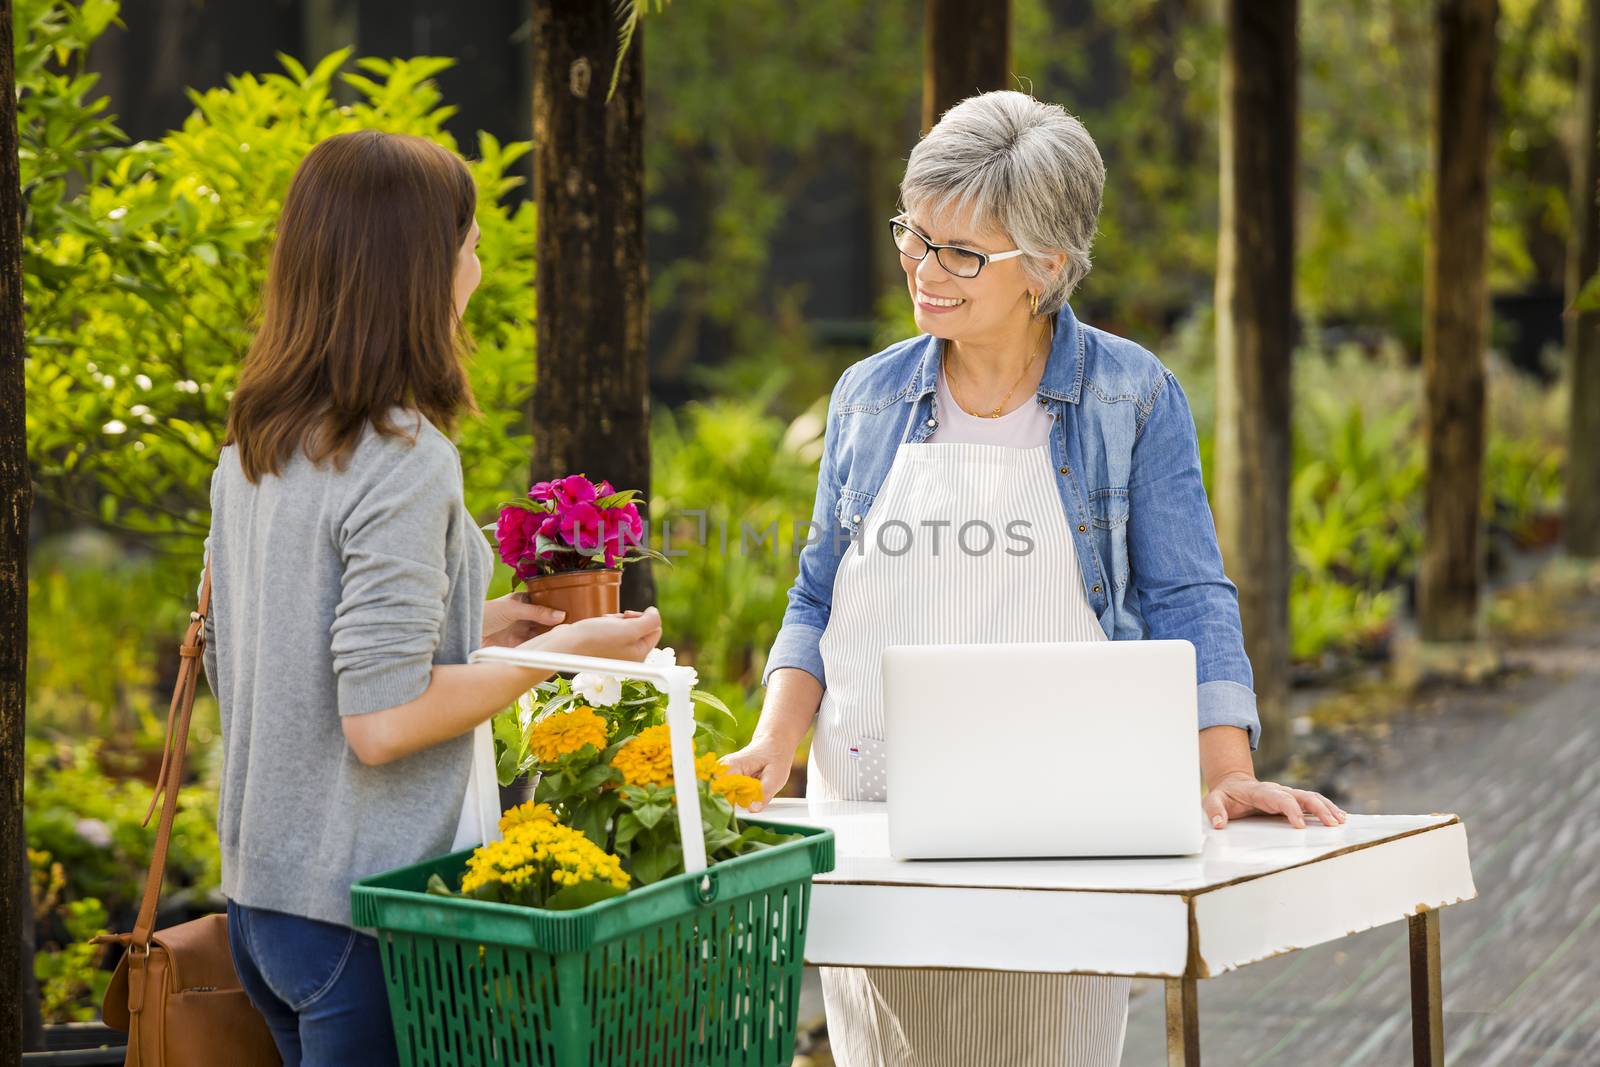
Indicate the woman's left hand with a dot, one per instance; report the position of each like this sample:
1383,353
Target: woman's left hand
508,622
1239,794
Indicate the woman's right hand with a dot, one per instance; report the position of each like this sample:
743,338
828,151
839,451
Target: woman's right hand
629,636
766,760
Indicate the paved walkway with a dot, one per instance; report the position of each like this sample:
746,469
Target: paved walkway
1520,762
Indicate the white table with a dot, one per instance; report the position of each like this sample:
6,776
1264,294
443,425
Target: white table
1260,889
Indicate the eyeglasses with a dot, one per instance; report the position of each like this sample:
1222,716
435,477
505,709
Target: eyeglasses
962,262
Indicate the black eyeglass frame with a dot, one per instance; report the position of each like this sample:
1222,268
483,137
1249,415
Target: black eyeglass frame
897,224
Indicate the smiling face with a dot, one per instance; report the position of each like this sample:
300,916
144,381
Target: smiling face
947,306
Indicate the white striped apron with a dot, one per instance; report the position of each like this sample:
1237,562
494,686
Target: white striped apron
936,586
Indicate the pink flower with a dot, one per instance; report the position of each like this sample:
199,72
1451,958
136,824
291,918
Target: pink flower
543,492
573,489
514,534
622,529
580,525
604,489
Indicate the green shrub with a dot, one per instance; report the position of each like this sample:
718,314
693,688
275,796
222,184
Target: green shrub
71,981
723,604
103,628
144,264
85,811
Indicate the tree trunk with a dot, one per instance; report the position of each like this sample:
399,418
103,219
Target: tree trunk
591,404
1583,330
1455,322
966,50
1255,340
16,496
32,1008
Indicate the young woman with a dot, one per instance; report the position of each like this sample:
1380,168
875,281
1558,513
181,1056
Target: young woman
348,584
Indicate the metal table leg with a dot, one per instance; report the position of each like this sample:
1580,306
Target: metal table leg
1427,998
1183,1023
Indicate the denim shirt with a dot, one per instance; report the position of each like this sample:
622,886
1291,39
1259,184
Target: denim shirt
1127,465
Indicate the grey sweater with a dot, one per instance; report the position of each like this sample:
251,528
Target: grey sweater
334,593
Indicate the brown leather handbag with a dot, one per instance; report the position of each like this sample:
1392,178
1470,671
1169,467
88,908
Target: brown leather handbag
175,990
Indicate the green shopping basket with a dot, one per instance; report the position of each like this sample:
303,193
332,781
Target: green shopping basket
702,968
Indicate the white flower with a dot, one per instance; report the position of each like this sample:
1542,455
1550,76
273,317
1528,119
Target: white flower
187,386
117,213
525,709
93,831
661,657
142,381
138,409
148,419
598,690
115,426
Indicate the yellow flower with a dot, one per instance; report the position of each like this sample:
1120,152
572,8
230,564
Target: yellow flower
740,789
647,759
556,735
708,767
529,812
536,849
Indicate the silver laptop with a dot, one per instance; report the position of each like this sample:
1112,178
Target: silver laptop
1029,750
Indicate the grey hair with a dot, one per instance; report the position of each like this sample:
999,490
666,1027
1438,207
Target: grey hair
1016,164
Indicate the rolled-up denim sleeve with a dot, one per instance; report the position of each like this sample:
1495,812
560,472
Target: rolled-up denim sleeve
1175,563
811,596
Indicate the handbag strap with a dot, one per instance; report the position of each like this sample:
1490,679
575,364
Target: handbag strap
170,779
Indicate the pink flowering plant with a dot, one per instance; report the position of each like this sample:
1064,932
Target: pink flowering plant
571,524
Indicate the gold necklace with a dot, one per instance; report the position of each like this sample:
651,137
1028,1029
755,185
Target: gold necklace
1000,407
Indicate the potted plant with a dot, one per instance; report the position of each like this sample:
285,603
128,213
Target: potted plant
567,542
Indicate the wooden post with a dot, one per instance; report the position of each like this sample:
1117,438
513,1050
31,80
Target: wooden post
16,498
1455,322
1255,340
591,405
1583,329
1183,1023
966,50
1427,994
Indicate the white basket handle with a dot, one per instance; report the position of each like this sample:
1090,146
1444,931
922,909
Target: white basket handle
677,681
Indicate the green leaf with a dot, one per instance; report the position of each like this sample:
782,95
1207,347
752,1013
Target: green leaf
721,838
438,888
651,814
756,837
628,827
1588,298
654,864
571,897
596,776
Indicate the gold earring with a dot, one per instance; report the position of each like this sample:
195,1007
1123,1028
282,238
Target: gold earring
1033,302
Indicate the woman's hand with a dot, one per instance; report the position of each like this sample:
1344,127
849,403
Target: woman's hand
1239,794
508,621
766,760
629,635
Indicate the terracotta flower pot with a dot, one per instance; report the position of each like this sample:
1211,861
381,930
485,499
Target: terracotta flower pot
581,594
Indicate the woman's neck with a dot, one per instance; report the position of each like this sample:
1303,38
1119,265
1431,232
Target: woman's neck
986,368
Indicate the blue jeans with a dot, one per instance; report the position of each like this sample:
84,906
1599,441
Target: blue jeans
319,986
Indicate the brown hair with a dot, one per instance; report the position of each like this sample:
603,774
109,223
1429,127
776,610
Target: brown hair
358,311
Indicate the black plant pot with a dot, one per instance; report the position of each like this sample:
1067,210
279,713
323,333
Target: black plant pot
79,1045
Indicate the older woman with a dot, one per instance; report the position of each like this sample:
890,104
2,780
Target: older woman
1006,409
